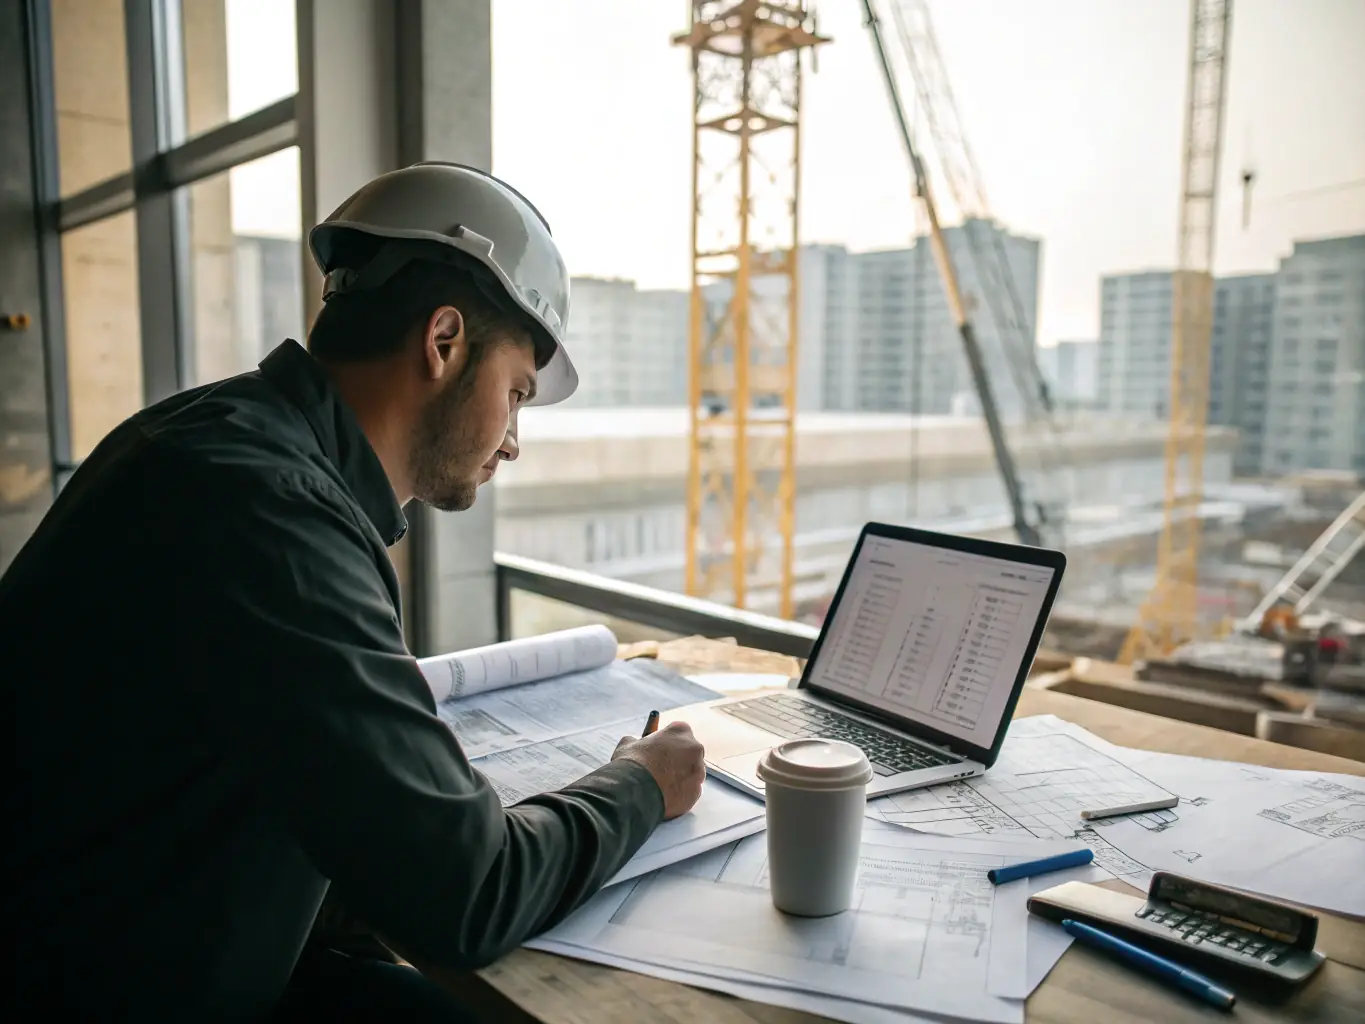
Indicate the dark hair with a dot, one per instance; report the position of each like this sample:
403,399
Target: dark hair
373,323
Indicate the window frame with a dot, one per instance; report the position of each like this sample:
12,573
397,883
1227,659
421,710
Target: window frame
155,187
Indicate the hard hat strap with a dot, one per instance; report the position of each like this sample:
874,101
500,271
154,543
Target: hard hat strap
394,255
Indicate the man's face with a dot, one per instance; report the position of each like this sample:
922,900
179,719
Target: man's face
470,424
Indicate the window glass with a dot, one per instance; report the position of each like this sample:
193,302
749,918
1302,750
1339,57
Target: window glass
247,264
103,328
90,92
240,56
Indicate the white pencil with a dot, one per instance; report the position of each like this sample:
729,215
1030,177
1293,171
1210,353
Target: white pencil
1165,803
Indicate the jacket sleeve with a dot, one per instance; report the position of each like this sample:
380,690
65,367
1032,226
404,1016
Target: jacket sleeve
328,709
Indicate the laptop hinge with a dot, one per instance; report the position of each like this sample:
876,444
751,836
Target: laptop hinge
942,748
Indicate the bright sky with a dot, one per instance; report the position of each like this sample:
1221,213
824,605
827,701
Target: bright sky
1074,109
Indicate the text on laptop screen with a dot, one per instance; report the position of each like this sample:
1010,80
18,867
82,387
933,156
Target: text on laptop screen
932,635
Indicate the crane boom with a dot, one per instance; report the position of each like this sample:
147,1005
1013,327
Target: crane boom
1170,615
1004,458
960,172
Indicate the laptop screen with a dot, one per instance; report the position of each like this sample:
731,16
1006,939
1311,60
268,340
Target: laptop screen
932,635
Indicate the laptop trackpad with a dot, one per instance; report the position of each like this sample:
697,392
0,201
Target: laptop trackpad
741,766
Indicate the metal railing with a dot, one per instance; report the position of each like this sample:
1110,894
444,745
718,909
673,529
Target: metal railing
648,606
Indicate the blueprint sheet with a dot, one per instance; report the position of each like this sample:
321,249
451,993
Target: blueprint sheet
539,737
1046,944
927,932
532,712
721,816
1296,835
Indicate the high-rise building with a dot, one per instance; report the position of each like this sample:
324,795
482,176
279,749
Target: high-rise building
874,330
877,334
267,278
826,368
1286,364
629,345
1239,361
1134,362
1071,369
1315,416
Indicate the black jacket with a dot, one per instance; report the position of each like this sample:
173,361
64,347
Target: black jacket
217,717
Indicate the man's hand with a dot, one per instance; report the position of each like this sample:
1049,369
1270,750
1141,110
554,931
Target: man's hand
674,757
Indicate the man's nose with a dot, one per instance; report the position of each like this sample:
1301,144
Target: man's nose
510,449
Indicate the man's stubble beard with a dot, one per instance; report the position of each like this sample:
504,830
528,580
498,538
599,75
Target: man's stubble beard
445,457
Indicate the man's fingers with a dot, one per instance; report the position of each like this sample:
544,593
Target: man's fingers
679,727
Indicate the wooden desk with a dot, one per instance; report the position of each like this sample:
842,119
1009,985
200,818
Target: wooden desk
1084,987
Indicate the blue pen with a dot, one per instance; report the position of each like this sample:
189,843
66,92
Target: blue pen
1074,859
1189,980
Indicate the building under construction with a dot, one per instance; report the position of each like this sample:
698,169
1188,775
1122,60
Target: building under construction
244,792
125,283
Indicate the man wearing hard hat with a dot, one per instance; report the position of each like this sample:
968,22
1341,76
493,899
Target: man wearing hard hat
238,724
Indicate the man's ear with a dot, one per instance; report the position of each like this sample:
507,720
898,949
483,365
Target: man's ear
444,342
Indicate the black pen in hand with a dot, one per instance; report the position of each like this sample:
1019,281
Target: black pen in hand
651,724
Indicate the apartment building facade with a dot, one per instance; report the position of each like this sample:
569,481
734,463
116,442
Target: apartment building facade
629,344
1315,413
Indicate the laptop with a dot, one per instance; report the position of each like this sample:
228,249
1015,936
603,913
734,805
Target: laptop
920,663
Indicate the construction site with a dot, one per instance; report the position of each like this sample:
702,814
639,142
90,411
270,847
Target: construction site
764,511
1194,591
735,434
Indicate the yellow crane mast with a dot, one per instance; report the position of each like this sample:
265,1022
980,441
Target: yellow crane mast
1170,615
741,488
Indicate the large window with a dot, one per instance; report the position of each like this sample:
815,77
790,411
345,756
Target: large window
89,59
246,260
240,56
103,328
166,130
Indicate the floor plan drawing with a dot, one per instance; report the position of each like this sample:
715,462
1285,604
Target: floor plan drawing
1037,789
1295,835
927,929
1330,809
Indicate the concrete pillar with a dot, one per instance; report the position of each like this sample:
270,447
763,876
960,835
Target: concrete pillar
25,459
447,90
383,84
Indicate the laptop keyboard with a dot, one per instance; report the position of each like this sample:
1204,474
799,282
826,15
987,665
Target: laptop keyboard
794,718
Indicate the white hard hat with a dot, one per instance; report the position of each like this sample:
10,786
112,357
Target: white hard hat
470,213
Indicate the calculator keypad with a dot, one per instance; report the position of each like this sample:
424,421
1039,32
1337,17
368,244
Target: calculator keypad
1198,928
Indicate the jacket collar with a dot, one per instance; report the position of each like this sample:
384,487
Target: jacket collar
297,374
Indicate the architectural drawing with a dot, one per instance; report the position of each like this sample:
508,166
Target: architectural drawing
927,930
904,905
1037,789
1290,834
1330,810
476,728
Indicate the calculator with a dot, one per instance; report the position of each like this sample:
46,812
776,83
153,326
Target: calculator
1197,923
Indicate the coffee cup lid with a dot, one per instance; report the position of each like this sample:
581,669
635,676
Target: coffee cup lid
815,764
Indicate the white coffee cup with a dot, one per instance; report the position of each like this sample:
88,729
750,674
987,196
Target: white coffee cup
816,793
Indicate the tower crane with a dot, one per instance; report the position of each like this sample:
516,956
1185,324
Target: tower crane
747,75
1170,614
741,487
745,298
